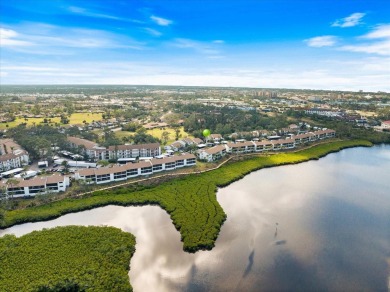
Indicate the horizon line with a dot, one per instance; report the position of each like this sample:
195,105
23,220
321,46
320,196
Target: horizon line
202,86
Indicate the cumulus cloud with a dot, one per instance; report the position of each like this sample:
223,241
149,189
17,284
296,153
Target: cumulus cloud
161,21
321,41
349,21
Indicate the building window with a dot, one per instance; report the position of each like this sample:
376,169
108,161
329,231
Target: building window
132,172
103,177
120,175
146,170
157,167
170,165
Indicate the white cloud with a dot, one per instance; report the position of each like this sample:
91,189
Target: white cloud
321,41
200,47
376,65
161,21
337,77
381,31
152,31
77,10
380,48
88,13
219,42
349,21
49,39
216,57
380,42
9,37
30,68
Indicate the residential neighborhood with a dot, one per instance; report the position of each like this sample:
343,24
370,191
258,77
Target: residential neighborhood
132,160
76,135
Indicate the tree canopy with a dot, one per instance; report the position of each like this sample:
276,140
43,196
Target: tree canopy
72,258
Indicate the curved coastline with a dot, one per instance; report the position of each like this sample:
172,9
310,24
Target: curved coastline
190,201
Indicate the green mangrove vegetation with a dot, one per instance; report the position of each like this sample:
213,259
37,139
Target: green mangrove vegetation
72,258
190,201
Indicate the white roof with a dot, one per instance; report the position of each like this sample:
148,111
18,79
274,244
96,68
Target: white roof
126,159
12,171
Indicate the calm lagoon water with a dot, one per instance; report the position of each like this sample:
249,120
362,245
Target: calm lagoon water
317,226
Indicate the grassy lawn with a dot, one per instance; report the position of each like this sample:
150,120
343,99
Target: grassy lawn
121,134
76,118
30,122
157,133
367,113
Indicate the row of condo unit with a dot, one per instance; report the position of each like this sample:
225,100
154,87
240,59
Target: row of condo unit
130,170
17,187
12,155
57,183
216,152
96,152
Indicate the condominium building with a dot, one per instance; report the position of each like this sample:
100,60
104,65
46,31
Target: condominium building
12,155
133,151
96,152
37,185
123,172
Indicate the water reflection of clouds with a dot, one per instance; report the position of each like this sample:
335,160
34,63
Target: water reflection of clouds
290,190
159,260
327,234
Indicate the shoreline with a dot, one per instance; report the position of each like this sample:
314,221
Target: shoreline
190,200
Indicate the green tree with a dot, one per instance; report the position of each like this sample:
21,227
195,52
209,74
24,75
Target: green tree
36,110
64,119
177,134
165,137
65,164
103,162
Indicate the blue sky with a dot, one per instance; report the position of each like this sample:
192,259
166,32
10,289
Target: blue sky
318,44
